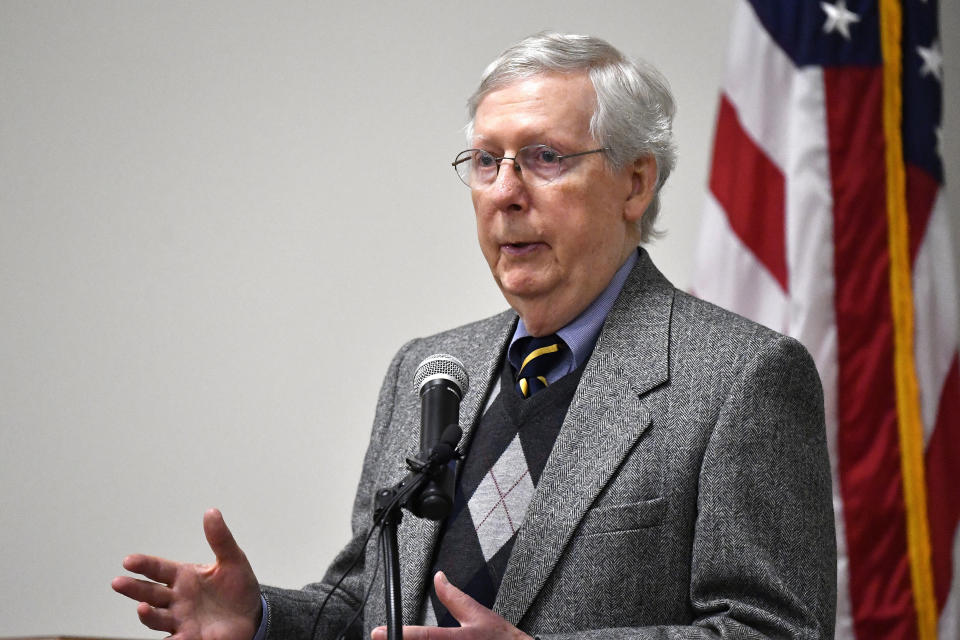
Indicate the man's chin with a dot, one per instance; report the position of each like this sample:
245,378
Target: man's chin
522,290
533,303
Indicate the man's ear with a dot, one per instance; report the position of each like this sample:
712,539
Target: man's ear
643,182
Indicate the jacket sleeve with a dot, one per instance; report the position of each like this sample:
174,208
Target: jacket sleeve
292,613
764,548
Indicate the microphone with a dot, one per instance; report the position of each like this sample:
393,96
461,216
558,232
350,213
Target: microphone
441,381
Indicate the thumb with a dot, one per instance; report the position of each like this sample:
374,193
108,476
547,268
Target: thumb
461,606
220,539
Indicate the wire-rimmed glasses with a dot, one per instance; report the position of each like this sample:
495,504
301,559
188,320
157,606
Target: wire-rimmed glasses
537,163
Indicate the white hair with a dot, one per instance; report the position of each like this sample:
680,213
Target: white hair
634,114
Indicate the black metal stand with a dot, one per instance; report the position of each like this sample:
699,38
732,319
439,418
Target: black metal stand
391,577
427,492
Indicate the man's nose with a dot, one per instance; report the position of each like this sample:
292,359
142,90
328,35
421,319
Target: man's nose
508,190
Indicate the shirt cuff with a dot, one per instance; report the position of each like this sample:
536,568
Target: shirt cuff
262,629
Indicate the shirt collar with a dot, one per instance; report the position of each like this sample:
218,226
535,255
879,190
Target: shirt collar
580,335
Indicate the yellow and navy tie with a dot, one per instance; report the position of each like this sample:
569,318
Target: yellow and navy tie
540,355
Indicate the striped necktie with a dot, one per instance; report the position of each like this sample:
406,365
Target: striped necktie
540,356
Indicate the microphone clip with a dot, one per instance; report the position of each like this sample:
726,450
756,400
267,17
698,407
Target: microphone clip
428,489
437,459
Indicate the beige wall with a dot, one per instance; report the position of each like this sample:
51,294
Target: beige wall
218,221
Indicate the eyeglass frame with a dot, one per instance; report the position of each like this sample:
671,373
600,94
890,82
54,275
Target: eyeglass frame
519,168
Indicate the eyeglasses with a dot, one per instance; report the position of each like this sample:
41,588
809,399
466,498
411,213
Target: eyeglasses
537,163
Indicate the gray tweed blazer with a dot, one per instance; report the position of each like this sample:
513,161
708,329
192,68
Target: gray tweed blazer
687,495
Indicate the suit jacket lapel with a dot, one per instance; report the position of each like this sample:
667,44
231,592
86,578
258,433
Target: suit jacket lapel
417,537
606,416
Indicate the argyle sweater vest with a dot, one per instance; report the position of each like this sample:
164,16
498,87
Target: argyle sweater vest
495,483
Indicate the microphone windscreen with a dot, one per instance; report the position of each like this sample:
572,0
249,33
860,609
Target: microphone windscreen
441,366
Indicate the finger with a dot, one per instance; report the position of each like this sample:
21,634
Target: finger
156,619
156,569
152,593
461,606
419,633
220,539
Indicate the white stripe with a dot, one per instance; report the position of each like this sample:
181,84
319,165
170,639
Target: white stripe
728,274
935,311
809,223
760,82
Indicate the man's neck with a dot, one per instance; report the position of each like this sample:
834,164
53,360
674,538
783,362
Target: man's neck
580,334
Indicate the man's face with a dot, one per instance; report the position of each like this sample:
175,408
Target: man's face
553,248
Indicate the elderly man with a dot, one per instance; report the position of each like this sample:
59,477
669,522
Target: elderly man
640,464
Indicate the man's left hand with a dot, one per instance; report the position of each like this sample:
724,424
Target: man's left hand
476,621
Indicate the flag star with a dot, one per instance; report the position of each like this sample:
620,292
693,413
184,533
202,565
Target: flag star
839,18
932,61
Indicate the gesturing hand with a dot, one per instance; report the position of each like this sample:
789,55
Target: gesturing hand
477,622
219,601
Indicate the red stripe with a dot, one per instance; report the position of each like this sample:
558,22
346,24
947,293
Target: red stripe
750,188
921,191
868,453
943,495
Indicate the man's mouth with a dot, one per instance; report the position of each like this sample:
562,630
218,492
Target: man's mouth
520,248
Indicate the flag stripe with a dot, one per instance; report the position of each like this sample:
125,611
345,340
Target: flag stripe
944,496
732,267
938,315
754,208
759,61
937,320
866,395
936,338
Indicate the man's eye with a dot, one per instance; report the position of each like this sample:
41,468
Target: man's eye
485,160
546,155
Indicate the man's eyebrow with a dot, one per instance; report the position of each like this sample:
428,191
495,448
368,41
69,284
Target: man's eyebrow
480,139
485,143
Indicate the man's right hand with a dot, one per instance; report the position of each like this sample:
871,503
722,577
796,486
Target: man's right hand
218,601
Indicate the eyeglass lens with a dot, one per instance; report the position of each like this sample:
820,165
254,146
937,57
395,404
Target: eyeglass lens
538,163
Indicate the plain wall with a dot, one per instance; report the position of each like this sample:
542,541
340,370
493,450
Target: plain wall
218,222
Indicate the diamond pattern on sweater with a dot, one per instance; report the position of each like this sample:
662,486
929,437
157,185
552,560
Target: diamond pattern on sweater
499,504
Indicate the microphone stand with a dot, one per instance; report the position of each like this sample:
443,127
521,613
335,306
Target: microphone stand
422,492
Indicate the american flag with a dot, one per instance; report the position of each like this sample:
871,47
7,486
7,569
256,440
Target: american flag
826,220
